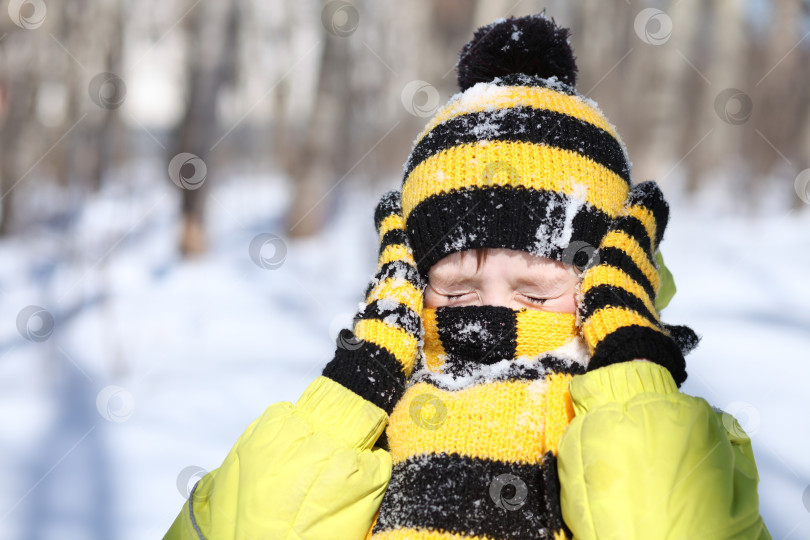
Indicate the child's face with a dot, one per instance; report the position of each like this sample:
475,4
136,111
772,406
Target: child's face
506,277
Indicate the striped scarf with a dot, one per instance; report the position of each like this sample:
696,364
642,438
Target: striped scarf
474,438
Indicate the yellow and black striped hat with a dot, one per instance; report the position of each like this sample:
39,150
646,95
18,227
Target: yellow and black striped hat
518,159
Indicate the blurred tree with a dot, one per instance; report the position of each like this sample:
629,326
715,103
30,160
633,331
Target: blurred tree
19,143
779,85
723,106
108,133
286,136
92,32
325,157
211,29
660,131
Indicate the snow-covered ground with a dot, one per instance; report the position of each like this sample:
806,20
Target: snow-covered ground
155,365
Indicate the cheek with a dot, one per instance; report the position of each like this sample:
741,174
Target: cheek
432,299
567,303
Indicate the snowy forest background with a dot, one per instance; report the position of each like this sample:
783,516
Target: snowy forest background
185,219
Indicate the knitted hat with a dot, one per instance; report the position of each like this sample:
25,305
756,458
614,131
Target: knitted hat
518,159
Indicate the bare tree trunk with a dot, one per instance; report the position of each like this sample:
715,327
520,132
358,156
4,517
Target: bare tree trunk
80,157
779,93
328,141
720,152
71,155
211,45
16,147
451,26
670,102
601,49
108,132
406,48
286,137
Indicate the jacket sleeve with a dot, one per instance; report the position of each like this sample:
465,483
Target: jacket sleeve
641,460
308,470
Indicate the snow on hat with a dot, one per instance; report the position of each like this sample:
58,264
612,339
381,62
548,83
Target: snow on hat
518,159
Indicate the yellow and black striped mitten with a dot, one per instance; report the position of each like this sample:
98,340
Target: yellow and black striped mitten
375,359
617,305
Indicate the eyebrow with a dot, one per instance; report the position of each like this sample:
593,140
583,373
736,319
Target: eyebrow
453,280
456,277
544,282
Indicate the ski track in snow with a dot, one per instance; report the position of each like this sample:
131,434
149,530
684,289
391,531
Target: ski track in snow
200,348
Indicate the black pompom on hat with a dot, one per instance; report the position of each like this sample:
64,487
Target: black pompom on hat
531,45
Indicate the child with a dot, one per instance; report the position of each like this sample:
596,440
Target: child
508,375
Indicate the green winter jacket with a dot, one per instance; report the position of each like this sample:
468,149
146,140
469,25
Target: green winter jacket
639,461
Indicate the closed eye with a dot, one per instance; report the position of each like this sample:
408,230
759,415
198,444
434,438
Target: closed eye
456,296
452,294
534,300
